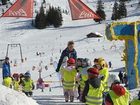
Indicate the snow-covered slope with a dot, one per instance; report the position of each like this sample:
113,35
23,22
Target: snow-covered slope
11,97
51,41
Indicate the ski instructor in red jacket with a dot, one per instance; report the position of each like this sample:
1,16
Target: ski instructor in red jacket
69,52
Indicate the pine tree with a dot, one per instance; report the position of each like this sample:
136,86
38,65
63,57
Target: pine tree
58,18
50,15
40,20
122,10
54,17
4,2
115,11
100,11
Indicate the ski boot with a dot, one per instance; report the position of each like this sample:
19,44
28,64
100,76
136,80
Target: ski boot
66,96
71,98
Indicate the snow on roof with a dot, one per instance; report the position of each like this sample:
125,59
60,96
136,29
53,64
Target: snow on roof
11,97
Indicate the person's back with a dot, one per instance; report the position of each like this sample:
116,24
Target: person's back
16,81
118,95
68,74
93,91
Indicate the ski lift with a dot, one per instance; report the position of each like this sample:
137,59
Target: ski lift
12,46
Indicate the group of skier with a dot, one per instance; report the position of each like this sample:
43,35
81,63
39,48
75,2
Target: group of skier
19,82
77,75
90,80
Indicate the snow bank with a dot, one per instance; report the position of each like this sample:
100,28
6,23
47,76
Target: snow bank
11,97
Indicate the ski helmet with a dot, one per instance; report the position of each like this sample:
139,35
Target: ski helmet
27,74
118,89
15,75
102,62
93,72
71,61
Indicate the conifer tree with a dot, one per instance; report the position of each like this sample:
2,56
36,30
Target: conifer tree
4,2
100,11
58,18
54,17
122,10
115,14
40,20
50,15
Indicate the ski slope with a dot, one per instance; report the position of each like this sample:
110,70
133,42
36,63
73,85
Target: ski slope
50,41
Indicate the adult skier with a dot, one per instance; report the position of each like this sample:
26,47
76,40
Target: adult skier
6,73
69,52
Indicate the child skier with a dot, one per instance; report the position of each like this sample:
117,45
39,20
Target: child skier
117,95
83,74
16,81
28,84
79,69
103,71
7,81
40,84
93,91
68,79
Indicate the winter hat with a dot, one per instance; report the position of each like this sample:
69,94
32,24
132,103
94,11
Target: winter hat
80,59
93,72
6,58
71,61
27,74
118,89
15,75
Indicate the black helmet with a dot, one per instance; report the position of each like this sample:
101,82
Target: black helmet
80,59
27,74
6,58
